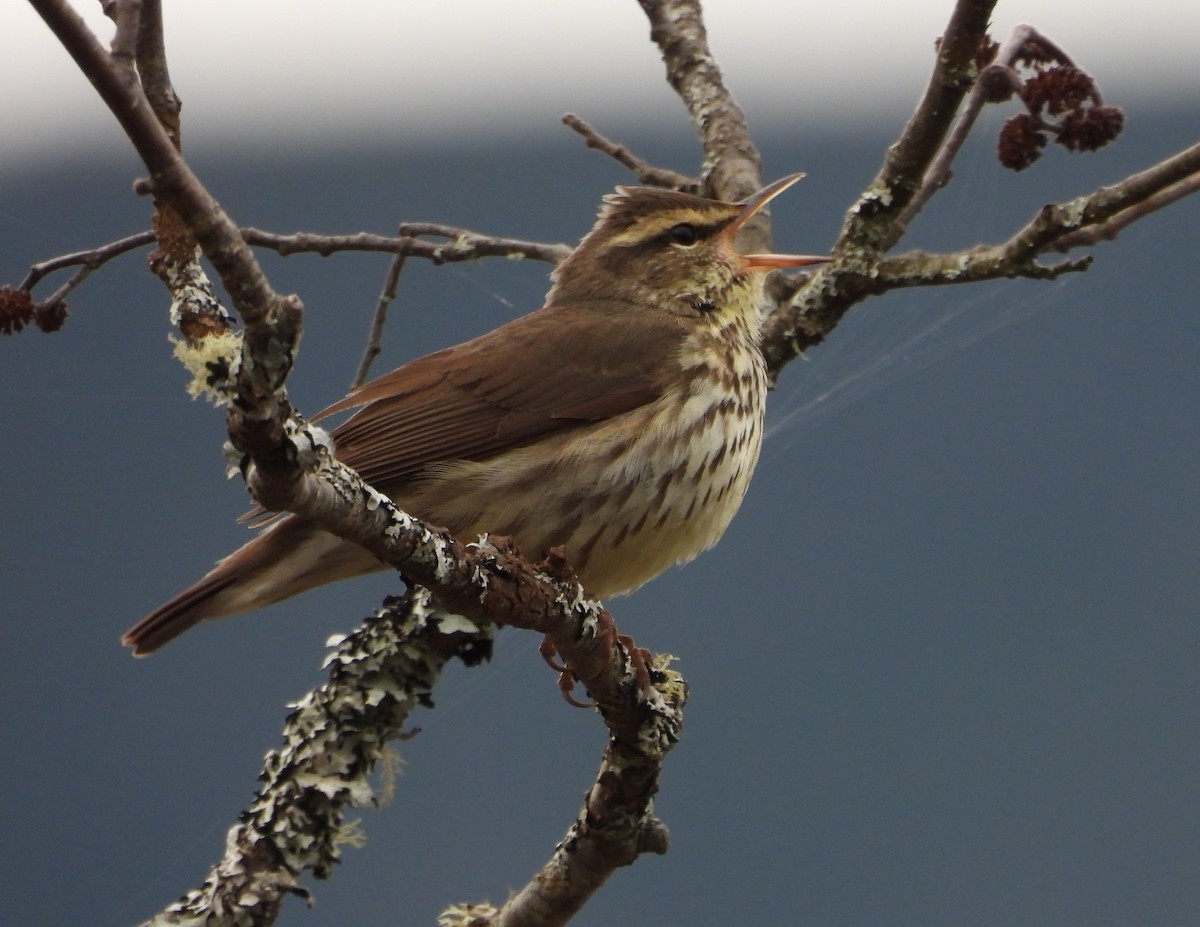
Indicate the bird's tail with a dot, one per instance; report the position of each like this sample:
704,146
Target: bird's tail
289,557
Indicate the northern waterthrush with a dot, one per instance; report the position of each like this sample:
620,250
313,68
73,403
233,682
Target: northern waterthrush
621,420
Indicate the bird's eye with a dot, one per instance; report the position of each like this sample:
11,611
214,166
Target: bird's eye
683,234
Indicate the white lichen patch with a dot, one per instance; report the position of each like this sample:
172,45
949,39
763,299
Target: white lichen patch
444,562
312,442
461,245
449,624
212,363
466,914
192,291
1072,213
876,193
591,617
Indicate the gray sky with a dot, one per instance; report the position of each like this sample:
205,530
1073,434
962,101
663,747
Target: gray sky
475,67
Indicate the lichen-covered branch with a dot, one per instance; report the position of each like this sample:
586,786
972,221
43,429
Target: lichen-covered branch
871,223
732,165
335,739
815,308
918,164
1057,227
615,824
640,701
1108,229
272,321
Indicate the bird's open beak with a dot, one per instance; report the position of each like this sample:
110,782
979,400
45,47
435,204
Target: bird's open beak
750,206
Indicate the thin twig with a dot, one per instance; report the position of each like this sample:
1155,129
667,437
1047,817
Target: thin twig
378,321
88,260
153,70
464,245
645,172
1055,223
125,14
996,263
1110,228
938,174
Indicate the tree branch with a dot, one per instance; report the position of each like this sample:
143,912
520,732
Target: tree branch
937,175
1110,228
484,583
87,262
732,165
645,172
871,224
463,244
818,306
378,320
337,737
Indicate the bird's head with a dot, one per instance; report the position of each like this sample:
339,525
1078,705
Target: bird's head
657,249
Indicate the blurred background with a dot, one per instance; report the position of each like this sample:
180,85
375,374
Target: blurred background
944,664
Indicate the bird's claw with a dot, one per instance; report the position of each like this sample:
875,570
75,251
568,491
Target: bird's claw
566,678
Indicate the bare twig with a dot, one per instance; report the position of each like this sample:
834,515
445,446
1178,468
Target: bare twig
152,68
645,172
87,261
378,321
125,14
464,245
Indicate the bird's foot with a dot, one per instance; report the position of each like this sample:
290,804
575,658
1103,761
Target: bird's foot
566,678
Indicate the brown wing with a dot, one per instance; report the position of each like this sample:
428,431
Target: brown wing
554,369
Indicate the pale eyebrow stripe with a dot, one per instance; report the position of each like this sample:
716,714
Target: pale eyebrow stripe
644,231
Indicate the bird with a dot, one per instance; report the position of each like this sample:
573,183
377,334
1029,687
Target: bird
621,421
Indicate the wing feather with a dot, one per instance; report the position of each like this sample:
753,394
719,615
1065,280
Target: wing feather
555,369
